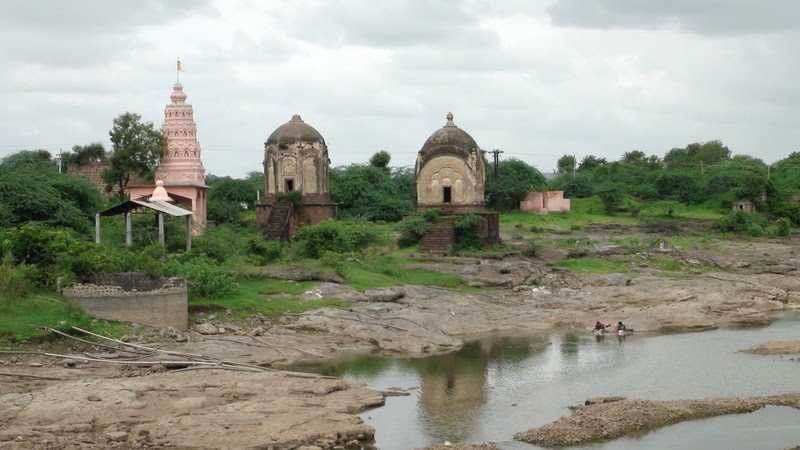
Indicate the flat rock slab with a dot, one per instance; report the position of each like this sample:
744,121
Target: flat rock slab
209,409
605,420
461,447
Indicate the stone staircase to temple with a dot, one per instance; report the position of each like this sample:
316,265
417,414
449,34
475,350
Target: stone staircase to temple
277,228
440,238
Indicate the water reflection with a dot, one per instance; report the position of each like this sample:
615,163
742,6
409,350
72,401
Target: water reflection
495,387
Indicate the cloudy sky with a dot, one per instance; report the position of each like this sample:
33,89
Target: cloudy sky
536,79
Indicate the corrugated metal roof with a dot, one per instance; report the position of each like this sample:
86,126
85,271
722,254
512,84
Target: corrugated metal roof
162,207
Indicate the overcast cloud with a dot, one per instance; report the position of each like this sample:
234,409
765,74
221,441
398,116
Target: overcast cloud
537,79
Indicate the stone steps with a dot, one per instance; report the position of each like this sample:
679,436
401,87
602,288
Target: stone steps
277,227
439,239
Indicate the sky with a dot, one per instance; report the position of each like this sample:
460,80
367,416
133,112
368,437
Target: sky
534,78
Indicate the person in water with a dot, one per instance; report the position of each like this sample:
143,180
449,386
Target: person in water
598,326
621,326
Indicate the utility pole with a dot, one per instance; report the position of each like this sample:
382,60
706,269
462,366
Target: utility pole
496,155
59,160
574,166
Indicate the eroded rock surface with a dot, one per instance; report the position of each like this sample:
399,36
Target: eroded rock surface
605,420
206,409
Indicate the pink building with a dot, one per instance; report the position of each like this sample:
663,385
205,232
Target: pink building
544,202
181,168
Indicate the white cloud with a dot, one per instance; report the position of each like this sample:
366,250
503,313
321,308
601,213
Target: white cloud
537,79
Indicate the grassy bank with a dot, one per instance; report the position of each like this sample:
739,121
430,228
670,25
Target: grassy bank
22,319
268,297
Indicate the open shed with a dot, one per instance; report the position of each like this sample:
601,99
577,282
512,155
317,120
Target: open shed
160,207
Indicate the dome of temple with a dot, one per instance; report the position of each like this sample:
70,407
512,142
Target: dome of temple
449,138
295,131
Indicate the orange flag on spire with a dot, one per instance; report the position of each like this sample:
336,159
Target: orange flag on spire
180,67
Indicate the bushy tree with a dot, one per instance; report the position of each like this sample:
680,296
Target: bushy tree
229,197
566,164
32,190
380,160
138,146
82,155
591,162
369,192
514,179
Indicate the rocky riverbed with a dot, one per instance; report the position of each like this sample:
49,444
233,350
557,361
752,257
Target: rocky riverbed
193,409
611,418
740,284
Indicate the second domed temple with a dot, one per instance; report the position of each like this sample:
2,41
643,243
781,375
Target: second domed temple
296,166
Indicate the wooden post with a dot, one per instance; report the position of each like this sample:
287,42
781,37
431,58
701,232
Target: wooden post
97,228
161,238
128,229
188,234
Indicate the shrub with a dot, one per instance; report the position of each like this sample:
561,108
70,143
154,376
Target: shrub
530,249
412,228
742,222
340,236
264,251
14,281
204,277
783,227
292,197
467,228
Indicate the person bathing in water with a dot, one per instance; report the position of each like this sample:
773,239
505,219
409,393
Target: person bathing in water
621,328
599,328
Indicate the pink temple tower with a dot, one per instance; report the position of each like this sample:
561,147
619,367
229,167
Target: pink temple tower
181,163
181,167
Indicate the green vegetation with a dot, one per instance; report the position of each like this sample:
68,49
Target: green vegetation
137,148
373,191
386,271
22,319
594,265
264,296
512,182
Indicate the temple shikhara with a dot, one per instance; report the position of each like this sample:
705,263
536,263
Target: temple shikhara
181,167
296,166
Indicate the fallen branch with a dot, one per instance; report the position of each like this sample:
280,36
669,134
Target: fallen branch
96,344
140,347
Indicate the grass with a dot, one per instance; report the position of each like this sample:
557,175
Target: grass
587,211
263,296
21,319
594,265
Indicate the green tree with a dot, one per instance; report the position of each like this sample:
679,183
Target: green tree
514,179
591,162
566,164
786,174
229,197
380,160
32,190
369,192
37,160
138,146
82,155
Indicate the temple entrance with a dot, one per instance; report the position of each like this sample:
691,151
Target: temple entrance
289,185
447,194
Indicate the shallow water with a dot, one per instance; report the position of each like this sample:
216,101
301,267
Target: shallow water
497,386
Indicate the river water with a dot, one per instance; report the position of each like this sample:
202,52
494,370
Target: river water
497,386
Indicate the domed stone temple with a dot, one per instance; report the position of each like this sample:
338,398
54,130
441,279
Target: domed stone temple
451,177
450,170
295,160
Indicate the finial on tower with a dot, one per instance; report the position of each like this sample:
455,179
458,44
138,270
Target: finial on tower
450,120
178,70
